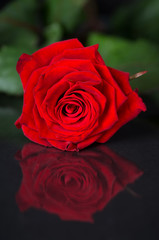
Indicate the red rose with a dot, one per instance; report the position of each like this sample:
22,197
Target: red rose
71,98
72,185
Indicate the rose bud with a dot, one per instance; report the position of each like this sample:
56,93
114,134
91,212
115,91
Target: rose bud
71,98
73,186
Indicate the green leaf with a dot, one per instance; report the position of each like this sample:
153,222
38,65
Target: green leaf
130,56
53,33
65,12
17,24
10,82
138,20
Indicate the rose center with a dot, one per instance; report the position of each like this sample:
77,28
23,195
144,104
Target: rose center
71,108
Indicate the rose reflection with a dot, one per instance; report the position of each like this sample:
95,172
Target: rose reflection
72,185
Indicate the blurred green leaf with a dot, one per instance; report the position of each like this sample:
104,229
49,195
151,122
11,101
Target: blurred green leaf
18,23
138,20
9,79
130,56
65,12
53,33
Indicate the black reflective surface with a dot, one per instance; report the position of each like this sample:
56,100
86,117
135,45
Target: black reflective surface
119,210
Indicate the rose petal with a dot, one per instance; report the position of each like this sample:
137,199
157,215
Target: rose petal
25,117
129,110
34,136
109,116
122,78
87,53
25,66
106,75
44,55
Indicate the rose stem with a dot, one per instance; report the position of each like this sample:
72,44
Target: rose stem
136,75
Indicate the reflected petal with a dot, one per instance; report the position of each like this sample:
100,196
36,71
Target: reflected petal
72,185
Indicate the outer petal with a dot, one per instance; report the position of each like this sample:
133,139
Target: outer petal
28,63
109,116
34,136
122,78
64,145
106,75
87,53
88,141
129,110
25,66
44,55
28,100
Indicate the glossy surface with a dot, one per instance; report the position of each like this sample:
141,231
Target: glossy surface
128,214
71,185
